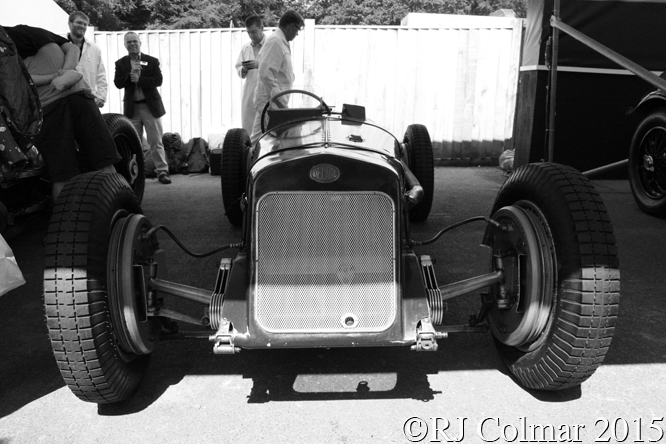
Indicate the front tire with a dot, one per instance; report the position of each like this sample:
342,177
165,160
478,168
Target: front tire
234,156
421,163
554,319
128,144
90,356
647,164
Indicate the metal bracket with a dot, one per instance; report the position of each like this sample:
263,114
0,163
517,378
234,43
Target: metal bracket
426,336
224,339
436,302
217,299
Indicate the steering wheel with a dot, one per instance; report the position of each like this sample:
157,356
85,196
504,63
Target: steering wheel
274,99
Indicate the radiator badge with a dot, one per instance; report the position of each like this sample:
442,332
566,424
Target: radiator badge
324,173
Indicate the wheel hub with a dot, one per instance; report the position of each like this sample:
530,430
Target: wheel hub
133,168
525,253
134,330
648,163
652,174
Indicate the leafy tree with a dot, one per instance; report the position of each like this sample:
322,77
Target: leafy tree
112,15
391,12
103,13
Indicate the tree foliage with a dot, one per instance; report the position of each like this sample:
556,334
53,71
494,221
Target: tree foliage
112,15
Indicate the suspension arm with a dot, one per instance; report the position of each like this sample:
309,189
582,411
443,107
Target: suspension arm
182,291
469,285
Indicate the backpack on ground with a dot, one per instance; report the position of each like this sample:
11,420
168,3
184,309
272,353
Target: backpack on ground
173,147
195,158
20,108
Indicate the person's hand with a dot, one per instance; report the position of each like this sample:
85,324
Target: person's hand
135,74
244,70
66,80
250,64
99,103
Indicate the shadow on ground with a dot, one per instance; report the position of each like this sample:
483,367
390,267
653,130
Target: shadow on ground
192,208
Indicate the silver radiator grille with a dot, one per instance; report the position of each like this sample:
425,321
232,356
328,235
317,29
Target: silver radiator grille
325,262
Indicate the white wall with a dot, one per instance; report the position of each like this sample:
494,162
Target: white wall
458,80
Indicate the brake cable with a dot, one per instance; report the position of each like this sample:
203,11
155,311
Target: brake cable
157,228
413,242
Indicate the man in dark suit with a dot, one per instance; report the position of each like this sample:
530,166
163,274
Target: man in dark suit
140,75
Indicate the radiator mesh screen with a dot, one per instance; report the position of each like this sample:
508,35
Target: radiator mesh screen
325,262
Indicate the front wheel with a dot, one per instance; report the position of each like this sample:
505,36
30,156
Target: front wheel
554,315
99,329
233,167
647,164
421,163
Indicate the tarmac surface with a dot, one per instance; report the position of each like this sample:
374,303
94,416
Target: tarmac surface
190,395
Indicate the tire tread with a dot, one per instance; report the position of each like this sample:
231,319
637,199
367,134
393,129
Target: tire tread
589,291
74,296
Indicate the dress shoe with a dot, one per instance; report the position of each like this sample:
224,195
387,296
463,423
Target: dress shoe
164,178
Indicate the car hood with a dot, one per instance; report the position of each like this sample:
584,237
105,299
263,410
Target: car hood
328,131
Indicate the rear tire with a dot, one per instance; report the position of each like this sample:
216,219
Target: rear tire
91,360
647,164
234,154
128,144
560,333
421,163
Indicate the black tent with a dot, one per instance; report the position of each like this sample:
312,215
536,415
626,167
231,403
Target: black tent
592,127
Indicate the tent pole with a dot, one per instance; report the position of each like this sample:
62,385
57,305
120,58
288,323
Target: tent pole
552,102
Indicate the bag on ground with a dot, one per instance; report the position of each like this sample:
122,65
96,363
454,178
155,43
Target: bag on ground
173,147
195,159
215,142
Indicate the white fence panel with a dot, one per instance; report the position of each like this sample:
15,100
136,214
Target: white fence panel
460,81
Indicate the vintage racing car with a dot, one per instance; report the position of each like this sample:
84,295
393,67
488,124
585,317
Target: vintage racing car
647,154
326,259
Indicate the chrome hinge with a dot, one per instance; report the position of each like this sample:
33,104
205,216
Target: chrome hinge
426,336
224,339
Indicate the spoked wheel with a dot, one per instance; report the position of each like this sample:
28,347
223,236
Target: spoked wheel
128,144
421,163
554,315
647,164
234,158
95,313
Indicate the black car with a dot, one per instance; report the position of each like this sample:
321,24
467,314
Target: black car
326,259
647,154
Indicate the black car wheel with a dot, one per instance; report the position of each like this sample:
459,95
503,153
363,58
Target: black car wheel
421,163
554,315
100,339
234,157
647,164
128,144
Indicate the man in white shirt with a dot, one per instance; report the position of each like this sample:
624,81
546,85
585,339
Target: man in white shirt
246,66
90,61
275,72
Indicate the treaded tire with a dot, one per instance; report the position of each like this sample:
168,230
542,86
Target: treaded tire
648,145
128,144
75,296
421,163
585,300
234,153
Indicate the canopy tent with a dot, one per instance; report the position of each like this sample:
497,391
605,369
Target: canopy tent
593,93
633,28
